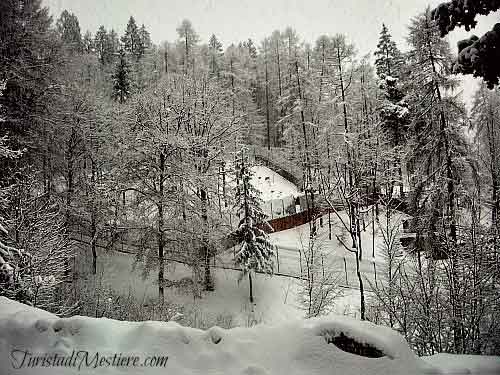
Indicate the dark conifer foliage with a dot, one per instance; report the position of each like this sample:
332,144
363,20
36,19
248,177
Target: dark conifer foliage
29,57
69,30
215,51
476,56
121,79
131,39
388,57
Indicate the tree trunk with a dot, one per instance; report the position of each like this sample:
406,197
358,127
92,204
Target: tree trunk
166,59
309,186
250,285
93,224
267,100
361,288
161,240
457,314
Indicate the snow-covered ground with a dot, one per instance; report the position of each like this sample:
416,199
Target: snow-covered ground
30,339
276,298
336,258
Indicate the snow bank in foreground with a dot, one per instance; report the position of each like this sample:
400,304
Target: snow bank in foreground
465,364
298,347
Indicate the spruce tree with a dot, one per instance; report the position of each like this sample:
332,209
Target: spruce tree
131,40
476,56
144,41
113,42
102,46
439,157
121,79
393,112
68,28
188,38
388,57
88,43
250,46
215,52
256,252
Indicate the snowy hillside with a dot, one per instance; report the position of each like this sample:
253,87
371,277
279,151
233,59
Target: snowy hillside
316,346
276,298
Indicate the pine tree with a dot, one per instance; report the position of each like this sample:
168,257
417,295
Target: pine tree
145,41
215,51
394,113
113,43
388,57
250,47
257,251
69,30
121,79
187,41
102,46
88,43
486,122
439,155
476,56
131,39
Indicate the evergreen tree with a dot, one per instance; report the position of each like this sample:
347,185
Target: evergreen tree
439,156
113,42
486,122
69,30
388,57
88,43
256,252
102,46
215,54
250,46
394,113
144,41
131,39
30,59
187,41
476,56
121,79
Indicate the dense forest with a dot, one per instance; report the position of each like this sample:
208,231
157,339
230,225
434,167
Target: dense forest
104,131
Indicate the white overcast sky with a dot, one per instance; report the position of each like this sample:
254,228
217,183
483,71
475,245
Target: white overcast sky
236,20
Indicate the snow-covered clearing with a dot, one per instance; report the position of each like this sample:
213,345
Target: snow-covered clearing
336,258
90,346
276,298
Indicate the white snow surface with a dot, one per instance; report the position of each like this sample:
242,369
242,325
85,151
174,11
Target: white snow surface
295,347
465,364
276,298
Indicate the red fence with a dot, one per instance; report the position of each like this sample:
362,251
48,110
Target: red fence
288,222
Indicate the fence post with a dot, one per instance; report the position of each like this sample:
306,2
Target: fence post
345,270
